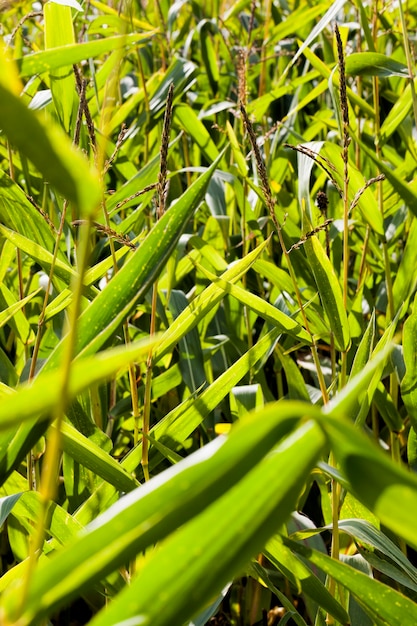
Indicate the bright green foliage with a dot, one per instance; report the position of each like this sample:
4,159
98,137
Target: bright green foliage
208,325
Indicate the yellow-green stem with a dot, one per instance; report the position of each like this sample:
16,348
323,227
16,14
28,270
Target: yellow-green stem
346,255
388,280
335,547
131,371
49,478
41,319
390,311
346,251
133,390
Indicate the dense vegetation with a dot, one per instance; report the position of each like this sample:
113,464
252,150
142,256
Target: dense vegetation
208,336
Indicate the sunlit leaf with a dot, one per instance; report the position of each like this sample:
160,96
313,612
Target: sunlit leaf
374,64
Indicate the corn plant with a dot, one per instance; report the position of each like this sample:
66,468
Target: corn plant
208,324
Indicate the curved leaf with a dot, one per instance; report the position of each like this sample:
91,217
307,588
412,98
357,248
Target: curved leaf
382,603
62,56
225,535
50,150
154,510
374,64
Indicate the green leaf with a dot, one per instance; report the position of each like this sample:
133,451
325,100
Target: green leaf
401,108
62,526
108,310
195,128
330,15
405,280
63,56
367,537
374,64
130,285
32,398
20,215
381,603
355,399
6,506
261,575
409,381
404,189
261,307
147,175
245,398
388,490
62,270
366,533
50,150
179,423
305,165
383,565
330,292
59,31
388,410
412,449
205,302
154,510
364,351
297,389
191,360
236,150
180,73
326,72
203,618
367,203
296,571
208,53
14,307
92,456
198,559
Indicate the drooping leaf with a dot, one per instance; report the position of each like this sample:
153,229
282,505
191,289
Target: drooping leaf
374,64
50,150
389,491
382,603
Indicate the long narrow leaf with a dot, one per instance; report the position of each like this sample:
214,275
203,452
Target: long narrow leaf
130,285
31,400
69,55
200,558
380,602
156,509
388,490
